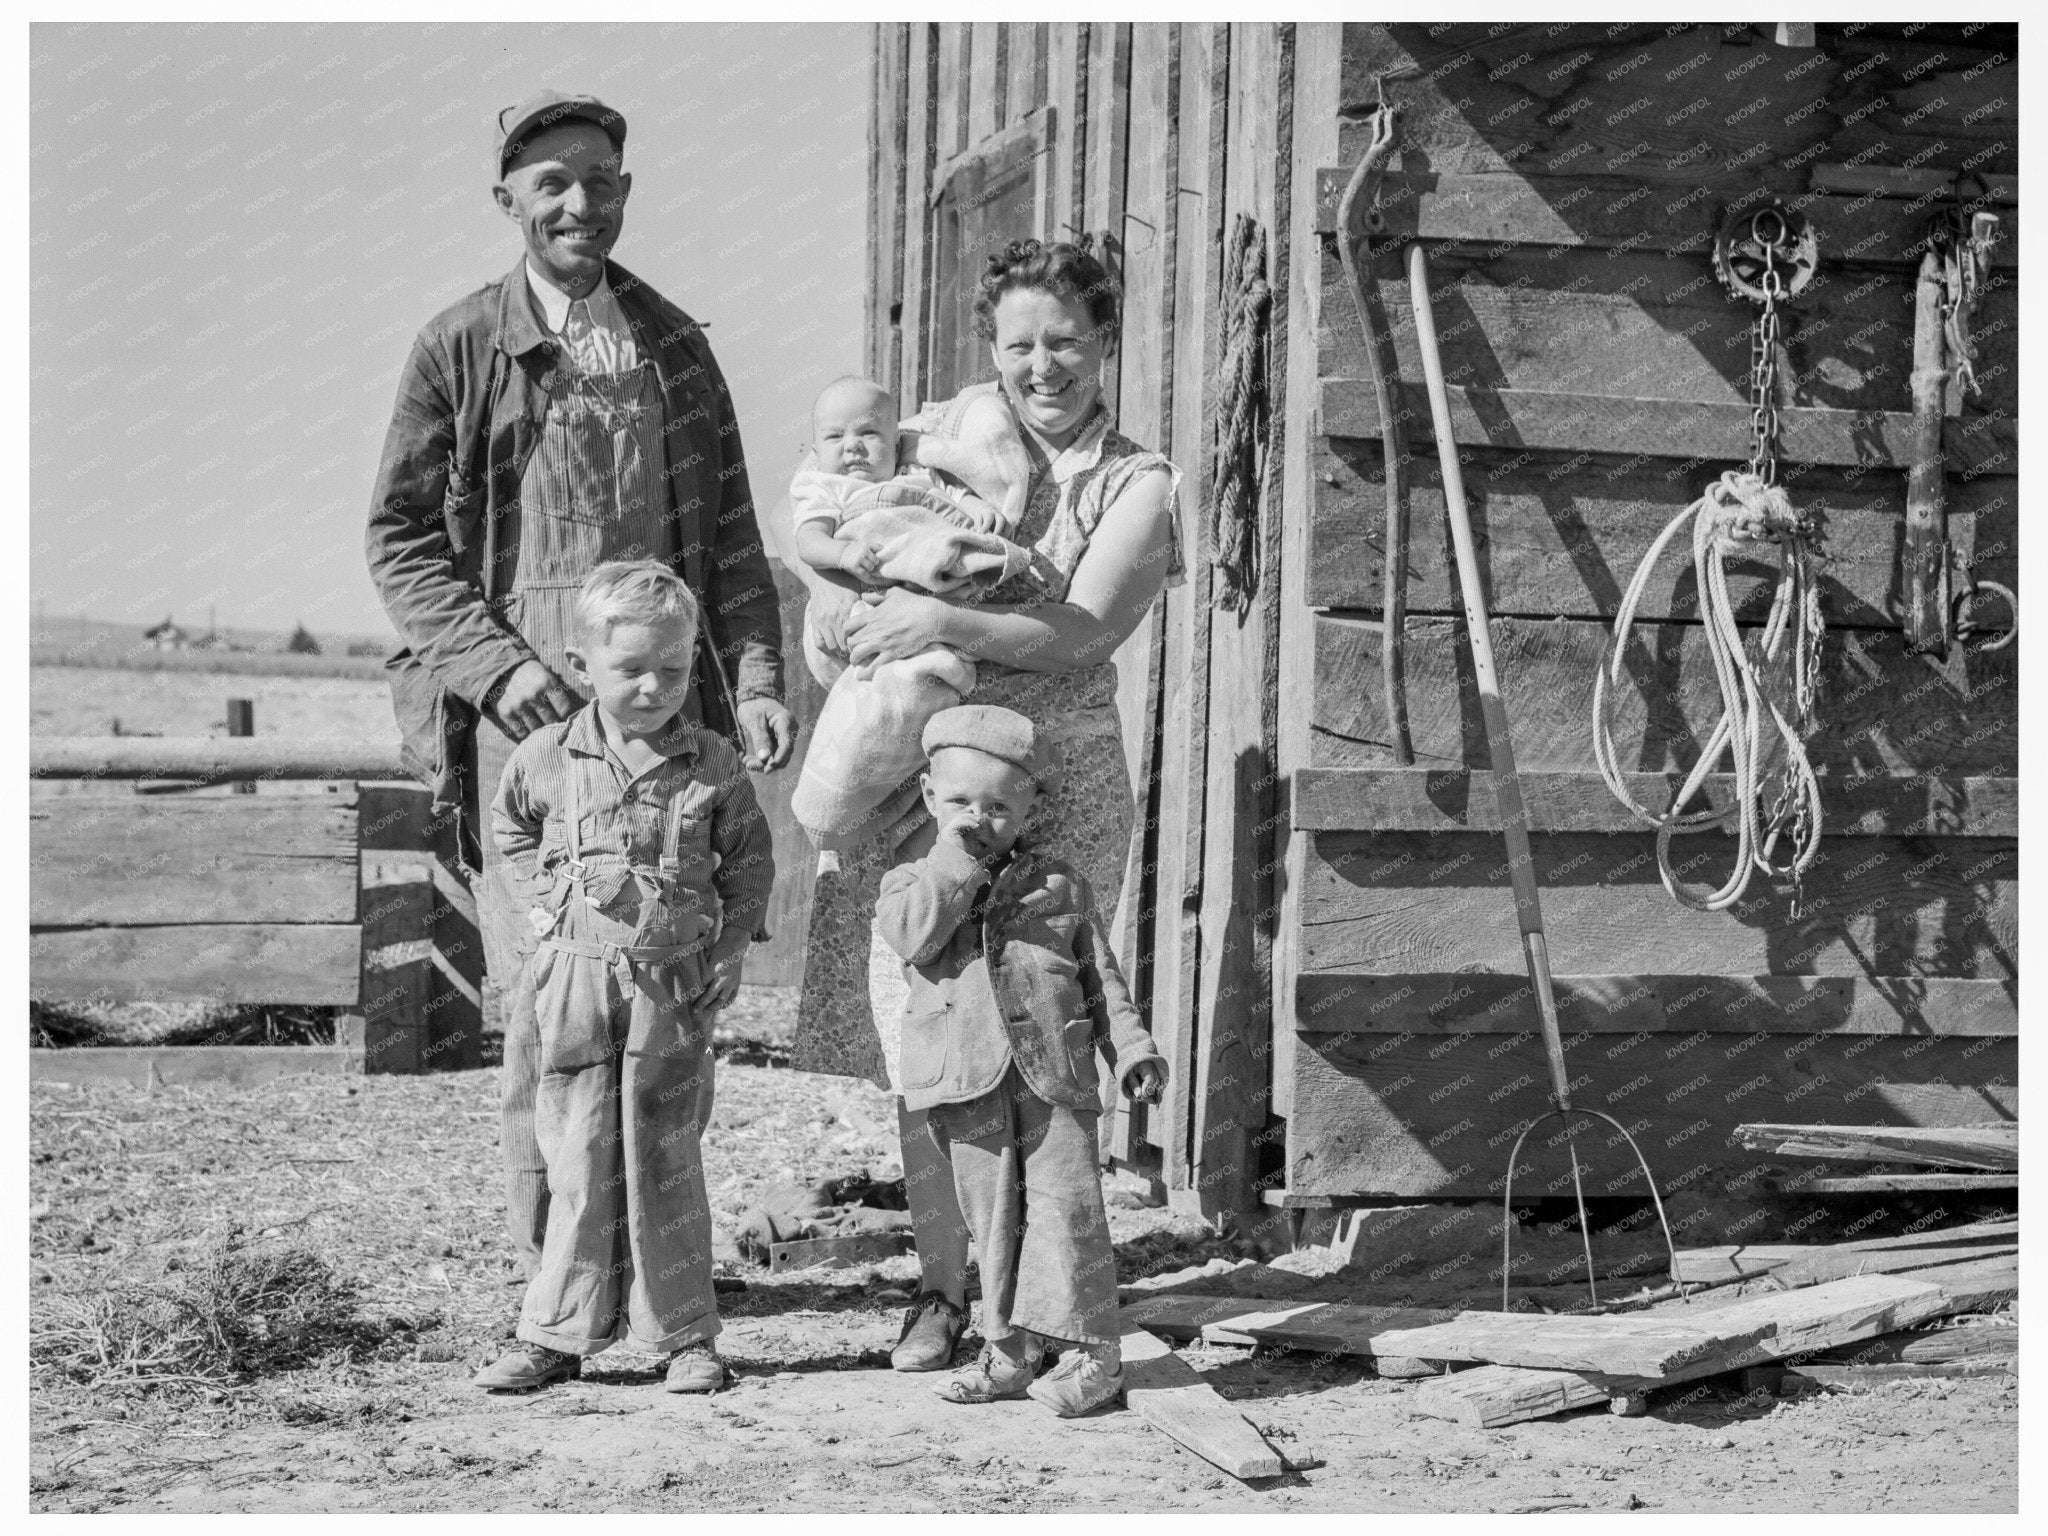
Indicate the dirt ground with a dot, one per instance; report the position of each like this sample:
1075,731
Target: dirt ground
394,1180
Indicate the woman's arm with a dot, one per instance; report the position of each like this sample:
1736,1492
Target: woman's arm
1119,577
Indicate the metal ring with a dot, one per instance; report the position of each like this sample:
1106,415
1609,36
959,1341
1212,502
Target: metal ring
2012,606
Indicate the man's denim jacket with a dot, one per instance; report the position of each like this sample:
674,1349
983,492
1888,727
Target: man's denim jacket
470,406
1033,981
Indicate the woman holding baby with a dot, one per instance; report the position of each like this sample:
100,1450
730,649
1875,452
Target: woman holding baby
1099,515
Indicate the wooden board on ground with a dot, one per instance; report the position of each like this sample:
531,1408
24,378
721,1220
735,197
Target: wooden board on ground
1795,1264
1185,1317
1799,1321
278,859
1995,1147
1869,1375
1331,1328
836,1252
151,1066
1634,1345
1170,1395
228,962
1935,1347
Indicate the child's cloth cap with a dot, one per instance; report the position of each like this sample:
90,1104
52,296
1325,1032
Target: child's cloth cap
1000,733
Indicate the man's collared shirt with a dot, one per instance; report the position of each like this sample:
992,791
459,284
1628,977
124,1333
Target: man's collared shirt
595,335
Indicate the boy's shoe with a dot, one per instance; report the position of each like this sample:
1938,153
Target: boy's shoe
931,1332
1080,1383
695,1368
526,1367
990,1379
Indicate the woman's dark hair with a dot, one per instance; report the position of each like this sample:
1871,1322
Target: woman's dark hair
1067,269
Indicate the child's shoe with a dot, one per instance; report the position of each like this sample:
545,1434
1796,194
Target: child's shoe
527,1367
1082,1382
990,1379
695,1368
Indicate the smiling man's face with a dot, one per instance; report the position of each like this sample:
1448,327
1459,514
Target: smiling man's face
567,193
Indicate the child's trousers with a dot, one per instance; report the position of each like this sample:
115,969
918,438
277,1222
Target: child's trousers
624,1096
1026,1175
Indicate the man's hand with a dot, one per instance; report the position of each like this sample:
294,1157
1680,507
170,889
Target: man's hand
1146,1081
769,731
530,697
722,983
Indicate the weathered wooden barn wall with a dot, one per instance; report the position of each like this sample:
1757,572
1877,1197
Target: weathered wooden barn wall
1567,182
1325,941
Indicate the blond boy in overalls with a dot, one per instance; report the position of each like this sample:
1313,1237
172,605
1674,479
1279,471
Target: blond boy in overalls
637,847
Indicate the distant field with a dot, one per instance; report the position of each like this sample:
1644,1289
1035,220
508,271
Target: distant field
85,701
81,642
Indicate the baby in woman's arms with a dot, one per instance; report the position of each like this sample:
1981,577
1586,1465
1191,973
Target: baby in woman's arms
859,512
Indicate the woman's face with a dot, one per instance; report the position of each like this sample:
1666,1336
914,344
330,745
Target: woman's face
1049,356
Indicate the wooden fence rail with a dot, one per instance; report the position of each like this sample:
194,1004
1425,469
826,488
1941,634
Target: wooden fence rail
339,888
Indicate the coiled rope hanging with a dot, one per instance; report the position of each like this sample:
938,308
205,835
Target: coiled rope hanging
1739,512
1242,413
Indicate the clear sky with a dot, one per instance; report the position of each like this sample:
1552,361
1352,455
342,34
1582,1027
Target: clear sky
236,229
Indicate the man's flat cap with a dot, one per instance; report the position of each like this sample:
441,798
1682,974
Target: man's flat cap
547,109
1000,733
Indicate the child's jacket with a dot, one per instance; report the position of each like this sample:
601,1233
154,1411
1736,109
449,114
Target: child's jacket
1013,968
698,794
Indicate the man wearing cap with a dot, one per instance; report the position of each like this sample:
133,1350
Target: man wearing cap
1013,990
562,416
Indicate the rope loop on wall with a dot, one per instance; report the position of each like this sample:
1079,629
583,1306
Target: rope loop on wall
1738,513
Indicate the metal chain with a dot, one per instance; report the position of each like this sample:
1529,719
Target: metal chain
1763,352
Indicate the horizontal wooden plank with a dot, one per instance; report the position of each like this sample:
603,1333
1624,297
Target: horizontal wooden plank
1681,109
1474,212
1397,903
225,962
1629,323
240,859
1995,1148
1798,1321
1823,1374
1336,1329
1479,1003
212,758
1931,1348
1456,799
1881,709
1701,431
1817,1263
1419,1116
151,1066
1184,1317
1907,1183
1566,536
1641,1344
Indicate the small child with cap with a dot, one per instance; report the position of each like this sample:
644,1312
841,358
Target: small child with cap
1014,989
857,510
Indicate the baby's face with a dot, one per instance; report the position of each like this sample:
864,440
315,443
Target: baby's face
979,802
853,432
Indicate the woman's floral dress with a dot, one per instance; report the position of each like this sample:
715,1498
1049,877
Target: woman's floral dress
853,987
